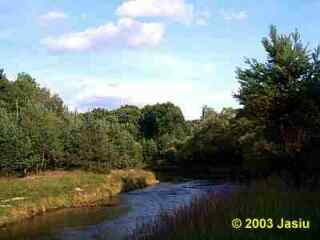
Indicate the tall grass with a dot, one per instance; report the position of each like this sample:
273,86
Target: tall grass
210,217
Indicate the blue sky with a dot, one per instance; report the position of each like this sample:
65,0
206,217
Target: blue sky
111,52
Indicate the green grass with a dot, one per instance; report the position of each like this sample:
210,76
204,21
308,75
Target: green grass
209,218
26,197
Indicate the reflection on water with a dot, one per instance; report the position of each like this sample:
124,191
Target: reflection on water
48,226
111,223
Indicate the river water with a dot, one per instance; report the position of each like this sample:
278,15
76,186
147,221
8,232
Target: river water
112,222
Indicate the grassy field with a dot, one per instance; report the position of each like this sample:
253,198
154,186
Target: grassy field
22,198
210,217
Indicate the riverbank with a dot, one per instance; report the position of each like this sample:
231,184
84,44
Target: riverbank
22,198
269,202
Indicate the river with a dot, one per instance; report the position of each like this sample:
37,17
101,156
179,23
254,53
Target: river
112,222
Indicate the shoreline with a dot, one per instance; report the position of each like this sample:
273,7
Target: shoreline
62,189
265,209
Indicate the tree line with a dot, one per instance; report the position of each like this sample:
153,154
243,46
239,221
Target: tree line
38,132
276,129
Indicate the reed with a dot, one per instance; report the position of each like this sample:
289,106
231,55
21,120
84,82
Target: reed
210,217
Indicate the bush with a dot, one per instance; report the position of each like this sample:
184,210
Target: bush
15,146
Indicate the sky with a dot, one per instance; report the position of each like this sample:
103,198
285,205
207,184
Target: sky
108,53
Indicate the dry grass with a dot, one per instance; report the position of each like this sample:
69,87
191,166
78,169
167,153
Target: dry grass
209,218
22,198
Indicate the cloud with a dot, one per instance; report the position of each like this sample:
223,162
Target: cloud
232,15
53,16
141,78
174,9
126,32
99,94
86,92
202,17
11,76
113,85
108,102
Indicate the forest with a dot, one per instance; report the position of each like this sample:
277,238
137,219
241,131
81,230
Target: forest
276,130
275,133
38,132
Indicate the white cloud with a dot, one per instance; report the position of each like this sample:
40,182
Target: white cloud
126,32
86,92
83,93
138,94
107,102
232,15
11,76
53,16
174,9
189,96
202,17
139,78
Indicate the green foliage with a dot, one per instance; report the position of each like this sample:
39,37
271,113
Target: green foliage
104,144
281,96
278,126
214,141
150,150
129,153
35,120
161,119
71,133
38,132
170,155
45,130
129,117
162,124
15,145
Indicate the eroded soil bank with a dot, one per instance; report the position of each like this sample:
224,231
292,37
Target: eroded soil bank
22,198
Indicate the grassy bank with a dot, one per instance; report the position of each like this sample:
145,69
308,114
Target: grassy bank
22,198
210,217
